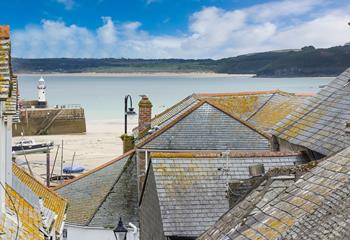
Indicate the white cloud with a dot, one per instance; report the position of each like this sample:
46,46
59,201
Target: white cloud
107,34
68,4
212,33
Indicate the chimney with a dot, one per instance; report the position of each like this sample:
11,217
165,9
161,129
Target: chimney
347,128
128,142
257,170
145,113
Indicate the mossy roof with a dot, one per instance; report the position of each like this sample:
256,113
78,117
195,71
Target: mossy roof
95,198
192,189
260,109
52,200
316,206
319,123
30,221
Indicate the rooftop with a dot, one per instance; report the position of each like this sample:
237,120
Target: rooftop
261,109
99,197
30,221
320,123
51,199
315,207
191,187
206,126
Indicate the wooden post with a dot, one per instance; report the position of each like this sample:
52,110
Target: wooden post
48,167
61,161
54,162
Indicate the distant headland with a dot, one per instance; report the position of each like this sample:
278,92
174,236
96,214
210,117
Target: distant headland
305,62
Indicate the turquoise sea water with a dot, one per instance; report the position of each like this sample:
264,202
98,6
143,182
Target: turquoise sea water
103,96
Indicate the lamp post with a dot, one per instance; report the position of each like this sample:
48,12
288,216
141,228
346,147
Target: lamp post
120,231
127,112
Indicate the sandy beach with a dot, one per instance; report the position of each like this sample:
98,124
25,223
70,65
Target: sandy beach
100,144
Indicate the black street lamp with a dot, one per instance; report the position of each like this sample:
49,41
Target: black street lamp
120,231
127,112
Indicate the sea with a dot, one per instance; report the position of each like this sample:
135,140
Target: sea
103,96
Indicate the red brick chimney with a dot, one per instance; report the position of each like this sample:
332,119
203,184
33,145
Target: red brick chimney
145,113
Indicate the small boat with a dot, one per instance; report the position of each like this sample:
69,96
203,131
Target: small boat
76,169
27,146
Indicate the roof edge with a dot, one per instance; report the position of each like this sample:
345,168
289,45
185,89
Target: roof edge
95,169
149,138
14,165
232,154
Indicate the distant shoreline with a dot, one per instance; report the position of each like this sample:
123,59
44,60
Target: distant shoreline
140,74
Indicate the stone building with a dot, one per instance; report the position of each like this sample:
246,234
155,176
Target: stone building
187,192
100,197
206,126
28,210
317,205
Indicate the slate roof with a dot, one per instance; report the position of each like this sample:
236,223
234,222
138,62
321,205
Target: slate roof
29,218
319,124
260,109
99,197
51,199
191,187
204,127
315,207
5,68
269,187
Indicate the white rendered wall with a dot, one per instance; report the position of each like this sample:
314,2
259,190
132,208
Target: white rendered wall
41,95
85,233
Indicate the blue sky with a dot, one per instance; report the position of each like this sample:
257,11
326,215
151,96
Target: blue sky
171,28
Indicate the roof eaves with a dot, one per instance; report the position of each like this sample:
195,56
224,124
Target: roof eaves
95,169
233,154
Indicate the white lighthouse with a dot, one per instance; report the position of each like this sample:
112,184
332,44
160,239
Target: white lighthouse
41,93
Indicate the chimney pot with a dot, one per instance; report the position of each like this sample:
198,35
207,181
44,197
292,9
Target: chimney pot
256,170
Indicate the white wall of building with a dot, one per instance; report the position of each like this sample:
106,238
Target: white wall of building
89,233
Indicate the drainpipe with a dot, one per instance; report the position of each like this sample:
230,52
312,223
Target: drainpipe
2,157
8,156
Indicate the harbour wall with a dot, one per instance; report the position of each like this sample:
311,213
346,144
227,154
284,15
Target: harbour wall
45,121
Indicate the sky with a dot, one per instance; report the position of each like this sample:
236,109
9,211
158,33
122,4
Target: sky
171,28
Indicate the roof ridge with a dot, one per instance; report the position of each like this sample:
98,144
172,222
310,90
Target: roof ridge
98,168
236,117
232,154
170,108
201,95
261,107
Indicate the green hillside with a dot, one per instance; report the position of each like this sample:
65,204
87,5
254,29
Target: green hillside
306,62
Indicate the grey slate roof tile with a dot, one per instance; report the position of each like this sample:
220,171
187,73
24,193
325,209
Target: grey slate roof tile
191,191
261,109
100,197
315,207
209,128
319,124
